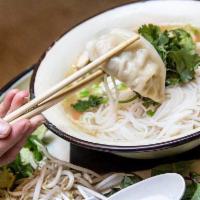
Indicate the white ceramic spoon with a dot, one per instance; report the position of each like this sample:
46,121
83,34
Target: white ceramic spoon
170,186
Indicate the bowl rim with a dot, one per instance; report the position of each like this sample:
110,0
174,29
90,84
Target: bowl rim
98,146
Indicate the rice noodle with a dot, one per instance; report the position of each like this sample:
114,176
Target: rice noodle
103,117
177,116
115,87
106,85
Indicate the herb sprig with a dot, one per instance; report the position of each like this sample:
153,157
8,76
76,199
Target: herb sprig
91,102
177,50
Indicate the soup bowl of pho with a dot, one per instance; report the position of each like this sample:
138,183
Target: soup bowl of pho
147,103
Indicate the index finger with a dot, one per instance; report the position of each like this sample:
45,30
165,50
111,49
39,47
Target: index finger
5,105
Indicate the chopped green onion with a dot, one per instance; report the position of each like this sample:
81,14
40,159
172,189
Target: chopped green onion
84,93
122,86
104,101
150,113
129,100
96,90
95,86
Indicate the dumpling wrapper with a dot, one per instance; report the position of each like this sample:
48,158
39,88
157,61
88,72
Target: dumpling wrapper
138,66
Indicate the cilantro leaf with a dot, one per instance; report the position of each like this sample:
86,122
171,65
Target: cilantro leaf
150,32
185,64
177,50
127,181
84,105
158,39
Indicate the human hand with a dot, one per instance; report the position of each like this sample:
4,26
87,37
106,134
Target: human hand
12,138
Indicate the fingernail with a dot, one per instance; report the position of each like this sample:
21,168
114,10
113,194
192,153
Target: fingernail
4,129
38,120
14,90
26,99
42,119
26,93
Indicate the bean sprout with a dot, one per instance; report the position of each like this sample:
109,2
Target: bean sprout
59,180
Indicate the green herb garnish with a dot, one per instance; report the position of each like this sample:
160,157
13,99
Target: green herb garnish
84,105
96,89
122,86
127,181
24,169
95,86
177,50
147,102
129,100
20,169
26,160
30,144
84,93
150,113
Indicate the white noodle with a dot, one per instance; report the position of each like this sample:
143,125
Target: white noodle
39,184
54,182
177,115
115,87
106,85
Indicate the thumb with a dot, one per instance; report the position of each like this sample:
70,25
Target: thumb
5,129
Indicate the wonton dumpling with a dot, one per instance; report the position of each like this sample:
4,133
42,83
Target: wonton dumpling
139,66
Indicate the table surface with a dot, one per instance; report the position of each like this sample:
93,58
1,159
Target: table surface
28,27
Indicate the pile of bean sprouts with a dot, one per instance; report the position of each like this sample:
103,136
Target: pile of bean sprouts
58,180
177,116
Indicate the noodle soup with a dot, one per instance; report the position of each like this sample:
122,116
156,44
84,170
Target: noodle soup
85,132
108,109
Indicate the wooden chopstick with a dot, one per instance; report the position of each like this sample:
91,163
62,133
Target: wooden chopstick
60,96
33,103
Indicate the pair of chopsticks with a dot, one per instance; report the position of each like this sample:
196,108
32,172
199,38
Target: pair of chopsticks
55,94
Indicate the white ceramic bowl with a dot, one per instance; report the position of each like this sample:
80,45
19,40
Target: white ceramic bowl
64,52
